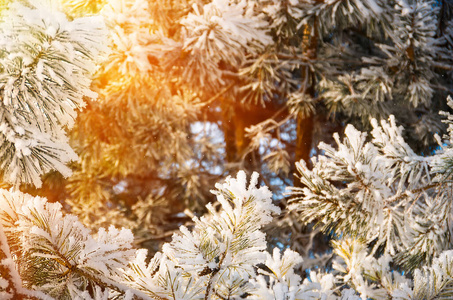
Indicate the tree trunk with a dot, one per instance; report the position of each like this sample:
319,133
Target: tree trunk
305,124
234,123
240,123
234,126
304,138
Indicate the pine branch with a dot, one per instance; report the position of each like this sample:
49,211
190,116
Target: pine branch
410,193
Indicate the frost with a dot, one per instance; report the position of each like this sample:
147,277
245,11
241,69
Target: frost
57,67
224,29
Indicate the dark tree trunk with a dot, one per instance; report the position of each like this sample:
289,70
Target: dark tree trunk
236,117
304,137
229,130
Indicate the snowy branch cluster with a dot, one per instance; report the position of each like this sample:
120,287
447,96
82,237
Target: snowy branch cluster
380,193
387,208
56,256
390,200
45,65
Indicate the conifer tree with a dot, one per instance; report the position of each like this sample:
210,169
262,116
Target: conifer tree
388,207
196,90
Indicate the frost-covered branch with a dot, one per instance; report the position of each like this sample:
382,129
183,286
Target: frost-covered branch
381,191
56,254
44,76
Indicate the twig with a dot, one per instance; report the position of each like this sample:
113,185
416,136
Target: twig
416,191
443,66
213,98
155,237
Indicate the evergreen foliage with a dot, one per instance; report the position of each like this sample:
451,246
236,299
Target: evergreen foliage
194,91
44,77
174,71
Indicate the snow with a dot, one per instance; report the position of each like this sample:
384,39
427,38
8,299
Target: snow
374,186
39,144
